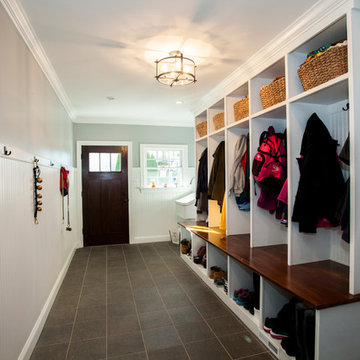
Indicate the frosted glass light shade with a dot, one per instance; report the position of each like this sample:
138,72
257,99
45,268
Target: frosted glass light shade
175,70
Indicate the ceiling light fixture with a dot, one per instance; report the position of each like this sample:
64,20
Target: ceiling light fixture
175,70
179,102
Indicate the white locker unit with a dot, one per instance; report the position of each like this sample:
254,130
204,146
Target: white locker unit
303,255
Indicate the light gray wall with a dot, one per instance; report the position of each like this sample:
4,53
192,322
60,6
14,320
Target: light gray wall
33,120
31,116
138,134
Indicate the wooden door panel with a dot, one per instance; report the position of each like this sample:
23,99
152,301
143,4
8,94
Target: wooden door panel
105,200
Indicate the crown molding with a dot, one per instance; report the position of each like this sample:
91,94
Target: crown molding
307,25
118,121
18,16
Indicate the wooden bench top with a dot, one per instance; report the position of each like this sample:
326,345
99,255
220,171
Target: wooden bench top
321,284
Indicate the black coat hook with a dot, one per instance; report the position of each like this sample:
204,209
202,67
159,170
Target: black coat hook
6,151
346,108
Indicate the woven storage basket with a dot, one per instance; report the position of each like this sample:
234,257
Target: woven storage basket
241,109
202,128
273,93
331,64
218,121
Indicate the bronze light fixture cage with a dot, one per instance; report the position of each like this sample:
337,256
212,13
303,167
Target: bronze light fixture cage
175,70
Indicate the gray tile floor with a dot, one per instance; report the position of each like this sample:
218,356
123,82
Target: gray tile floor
135,302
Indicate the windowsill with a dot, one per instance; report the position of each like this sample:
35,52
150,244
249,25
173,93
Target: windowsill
163,188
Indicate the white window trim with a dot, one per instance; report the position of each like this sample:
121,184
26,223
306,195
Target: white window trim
143,147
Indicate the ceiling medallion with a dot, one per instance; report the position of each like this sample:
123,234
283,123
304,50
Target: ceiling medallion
175,70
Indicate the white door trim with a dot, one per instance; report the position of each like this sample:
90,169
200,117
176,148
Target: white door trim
79,144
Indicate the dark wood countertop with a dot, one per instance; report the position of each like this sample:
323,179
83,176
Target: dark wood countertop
321,284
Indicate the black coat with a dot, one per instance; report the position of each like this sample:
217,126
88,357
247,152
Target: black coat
202,184
321,183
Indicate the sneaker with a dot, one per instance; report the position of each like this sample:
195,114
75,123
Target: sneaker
269,323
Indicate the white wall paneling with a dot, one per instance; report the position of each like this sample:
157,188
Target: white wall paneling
33,258
154,210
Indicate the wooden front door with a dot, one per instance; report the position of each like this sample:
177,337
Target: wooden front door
105,195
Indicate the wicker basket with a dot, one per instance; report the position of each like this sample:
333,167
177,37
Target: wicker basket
331,64
202,128
273,93
218,121
241,109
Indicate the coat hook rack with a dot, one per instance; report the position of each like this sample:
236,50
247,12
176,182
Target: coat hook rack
6,151
346,108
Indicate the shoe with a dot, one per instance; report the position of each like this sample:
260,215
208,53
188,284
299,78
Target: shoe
219,281
213,270
269,323
221,274
185,246
279,333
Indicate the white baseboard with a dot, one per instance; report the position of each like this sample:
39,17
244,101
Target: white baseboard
150,239
40,322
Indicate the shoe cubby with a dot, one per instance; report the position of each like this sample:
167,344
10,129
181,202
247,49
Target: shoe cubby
241,277
230,100
214,208
237,221
216,257
265,229
336,31
196,243
264,78
216,109
272,300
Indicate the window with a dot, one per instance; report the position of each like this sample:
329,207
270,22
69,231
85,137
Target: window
110,162
162,166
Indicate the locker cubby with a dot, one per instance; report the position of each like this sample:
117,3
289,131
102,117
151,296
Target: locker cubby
237,221
214,208
217,108
216,257
262,79
265,228
241,277
272,299
326,243
196,243
334,32
199,119
200,146
231,99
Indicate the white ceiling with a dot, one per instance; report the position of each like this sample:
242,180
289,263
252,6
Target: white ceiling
107,48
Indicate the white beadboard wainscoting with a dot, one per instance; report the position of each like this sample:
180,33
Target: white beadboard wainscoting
154,210
33,258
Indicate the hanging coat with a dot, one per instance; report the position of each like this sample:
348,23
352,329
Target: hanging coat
237,175
321,183
217,175
202,184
